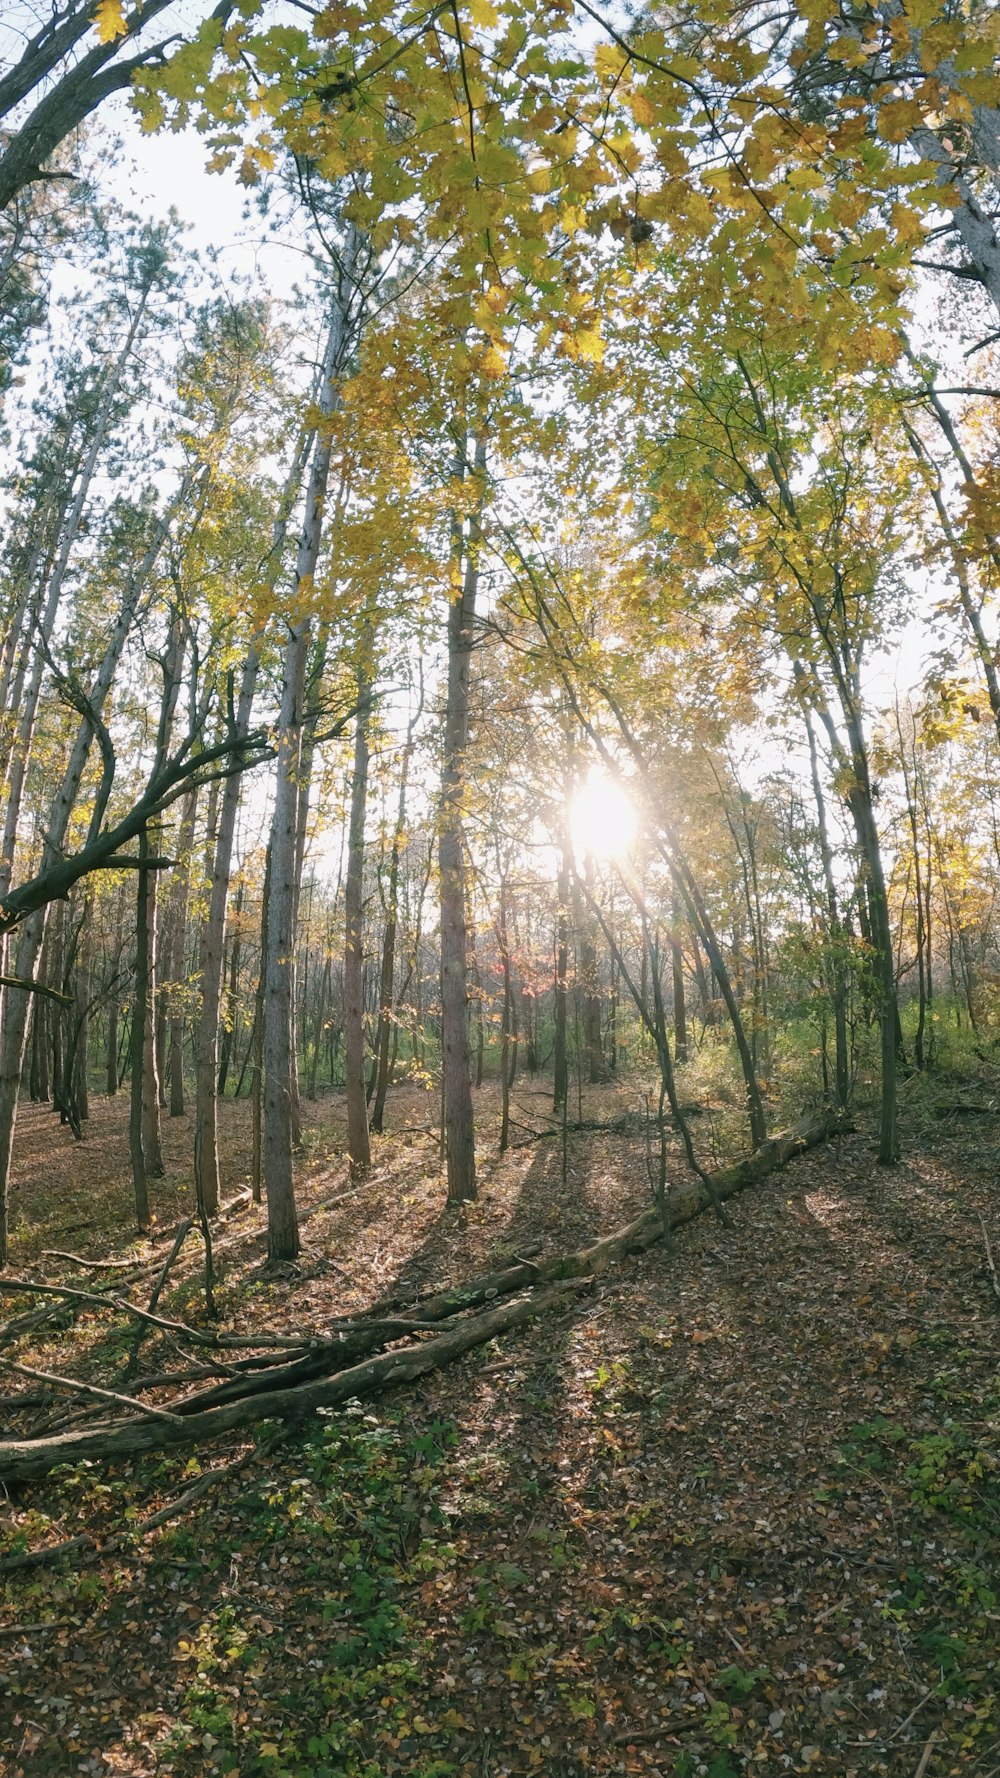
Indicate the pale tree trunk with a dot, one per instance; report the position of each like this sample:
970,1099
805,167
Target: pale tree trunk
358,1146
212,938
278,1037
459,1129
48,607
382,1062
140,998
277,1034
560,1056
837,935
677,979
177,917
31,930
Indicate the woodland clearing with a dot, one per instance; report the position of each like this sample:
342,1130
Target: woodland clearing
733,1509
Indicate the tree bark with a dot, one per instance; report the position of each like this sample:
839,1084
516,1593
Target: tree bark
277,962
358,1147
460,1150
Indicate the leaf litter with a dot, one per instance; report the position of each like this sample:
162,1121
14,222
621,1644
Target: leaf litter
734,1512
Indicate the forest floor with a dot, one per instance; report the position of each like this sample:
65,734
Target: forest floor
734,1511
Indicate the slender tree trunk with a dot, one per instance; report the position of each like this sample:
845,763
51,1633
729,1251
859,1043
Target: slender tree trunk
385,999
173,991
257,1049
277,963
457,1078
587,986
146,904
677,978
837,936
560,1057
111,1051
140,1001
881,931
358,1146
229,1036
508,1049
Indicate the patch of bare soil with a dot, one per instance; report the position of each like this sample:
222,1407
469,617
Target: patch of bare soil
735,1511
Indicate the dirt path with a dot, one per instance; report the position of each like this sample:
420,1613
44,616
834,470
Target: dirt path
738,1511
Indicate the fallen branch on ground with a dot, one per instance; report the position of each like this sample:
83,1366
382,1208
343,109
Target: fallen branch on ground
323,1372
89,1546
23,1459
991,1266
74,1387
89,1265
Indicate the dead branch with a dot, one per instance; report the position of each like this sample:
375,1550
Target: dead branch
325,1372
84,1545
161,1279
991,1265
23,1459
90,1265
74,1387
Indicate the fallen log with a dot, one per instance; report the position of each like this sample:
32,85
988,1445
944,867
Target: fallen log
23,1460
686,1201
294,1389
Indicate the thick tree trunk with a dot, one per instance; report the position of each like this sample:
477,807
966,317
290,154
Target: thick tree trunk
278,1036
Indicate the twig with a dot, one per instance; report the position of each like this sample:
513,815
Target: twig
72,1546
91,1265
161,1279
57,1623
918,1706
925,1757
990,1261
76,1388
200,1336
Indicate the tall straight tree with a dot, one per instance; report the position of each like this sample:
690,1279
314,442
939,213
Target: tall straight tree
358,1145
459,1127
279,937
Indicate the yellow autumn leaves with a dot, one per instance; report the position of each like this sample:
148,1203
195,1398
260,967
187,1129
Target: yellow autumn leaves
109,20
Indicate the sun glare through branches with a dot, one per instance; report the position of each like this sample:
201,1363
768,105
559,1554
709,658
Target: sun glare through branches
602,819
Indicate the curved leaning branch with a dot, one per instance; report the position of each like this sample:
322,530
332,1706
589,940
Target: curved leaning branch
181,773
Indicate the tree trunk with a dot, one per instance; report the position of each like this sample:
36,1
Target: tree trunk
560,1057
587,987
677,979
358,1147
837,936
140,1003
460,1150
277,963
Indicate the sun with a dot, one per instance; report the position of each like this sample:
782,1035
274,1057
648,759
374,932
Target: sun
602,820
